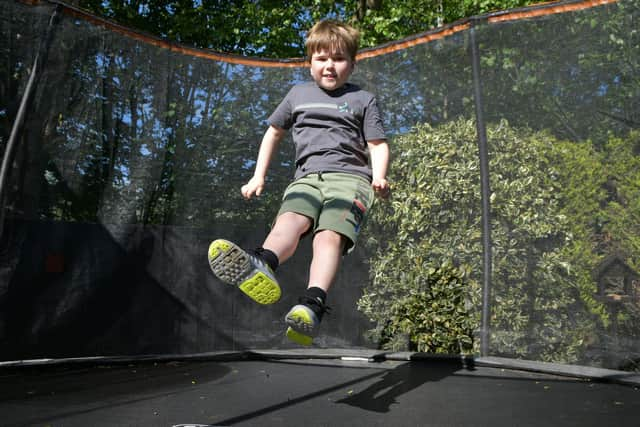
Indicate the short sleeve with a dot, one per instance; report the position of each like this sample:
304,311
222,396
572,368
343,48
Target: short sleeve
372,124
282,116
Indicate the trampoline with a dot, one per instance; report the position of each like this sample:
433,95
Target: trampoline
122,154
314,388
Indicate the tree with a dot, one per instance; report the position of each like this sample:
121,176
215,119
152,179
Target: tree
575,74
276,29
435,216
265,28
601,200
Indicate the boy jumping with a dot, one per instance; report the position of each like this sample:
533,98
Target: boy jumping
341,162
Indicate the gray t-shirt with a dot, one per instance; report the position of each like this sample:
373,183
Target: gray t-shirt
330,129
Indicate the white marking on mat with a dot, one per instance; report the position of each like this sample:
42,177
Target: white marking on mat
354,359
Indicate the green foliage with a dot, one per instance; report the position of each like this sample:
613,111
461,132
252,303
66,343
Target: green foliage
573,89
558,208
435,215
265,28
602,197
434,222
434,314
396,20
621,219
276,29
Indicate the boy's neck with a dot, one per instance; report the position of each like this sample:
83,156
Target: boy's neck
333,90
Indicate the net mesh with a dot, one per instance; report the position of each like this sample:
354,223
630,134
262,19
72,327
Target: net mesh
132,152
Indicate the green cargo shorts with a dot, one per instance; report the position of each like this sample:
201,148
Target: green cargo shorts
333,200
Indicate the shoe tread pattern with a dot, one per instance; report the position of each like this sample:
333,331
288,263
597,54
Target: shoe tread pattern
298,337
232,265
228,262
300,320
261,288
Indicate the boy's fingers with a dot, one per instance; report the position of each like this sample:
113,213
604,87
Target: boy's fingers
246,193
249,191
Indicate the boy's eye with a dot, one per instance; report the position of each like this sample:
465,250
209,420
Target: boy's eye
333,58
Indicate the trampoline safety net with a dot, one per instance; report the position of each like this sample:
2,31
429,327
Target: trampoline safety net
128,153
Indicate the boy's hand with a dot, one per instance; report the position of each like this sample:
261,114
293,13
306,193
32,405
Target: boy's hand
253,187
381,188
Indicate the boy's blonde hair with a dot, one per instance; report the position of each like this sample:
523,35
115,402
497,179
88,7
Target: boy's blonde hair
332,36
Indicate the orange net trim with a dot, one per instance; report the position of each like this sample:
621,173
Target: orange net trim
525,13
549,10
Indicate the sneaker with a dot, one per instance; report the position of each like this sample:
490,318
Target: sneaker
303,322
236,267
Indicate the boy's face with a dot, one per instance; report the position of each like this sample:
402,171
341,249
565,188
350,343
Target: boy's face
331,69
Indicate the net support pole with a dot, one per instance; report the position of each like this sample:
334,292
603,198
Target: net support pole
7,159
485,193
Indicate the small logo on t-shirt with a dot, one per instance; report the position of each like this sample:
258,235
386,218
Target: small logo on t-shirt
344,108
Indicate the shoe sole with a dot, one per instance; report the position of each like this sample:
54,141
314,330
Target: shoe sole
232,265
300,328
298,337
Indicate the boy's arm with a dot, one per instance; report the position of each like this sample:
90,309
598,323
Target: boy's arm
379,152
270,141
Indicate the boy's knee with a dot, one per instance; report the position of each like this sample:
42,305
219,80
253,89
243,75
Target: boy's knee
292,222
330,238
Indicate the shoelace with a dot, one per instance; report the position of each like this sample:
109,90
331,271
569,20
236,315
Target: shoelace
258,260
316,305
257,254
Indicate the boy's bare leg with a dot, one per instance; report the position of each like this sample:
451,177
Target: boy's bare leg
328,247
252,273
285,234
303,319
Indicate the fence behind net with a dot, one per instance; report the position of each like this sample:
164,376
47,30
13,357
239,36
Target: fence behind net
132,152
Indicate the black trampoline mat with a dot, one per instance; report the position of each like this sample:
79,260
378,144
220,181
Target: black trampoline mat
307,392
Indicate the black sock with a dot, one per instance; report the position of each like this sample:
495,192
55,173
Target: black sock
316,294
319,296
269,257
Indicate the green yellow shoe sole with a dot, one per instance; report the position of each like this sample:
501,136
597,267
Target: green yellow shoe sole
261,288
232,265
301,326
298,337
